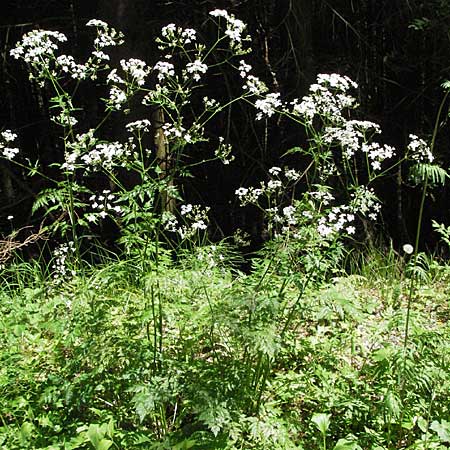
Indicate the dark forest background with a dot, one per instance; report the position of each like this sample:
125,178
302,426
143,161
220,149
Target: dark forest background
397,50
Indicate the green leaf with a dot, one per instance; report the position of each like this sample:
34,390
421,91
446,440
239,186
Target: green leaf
345,444
104,444
94,434
442,429
25,431
322,422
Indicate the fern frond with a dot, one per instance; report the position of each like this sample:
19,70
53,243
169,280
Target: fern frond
432,173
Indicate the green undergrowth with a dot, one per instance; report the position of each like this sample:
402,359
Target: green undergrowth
202,356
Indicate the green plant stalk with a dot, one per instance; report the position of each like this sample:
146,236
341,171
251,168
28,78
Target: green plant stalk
263,383
419,224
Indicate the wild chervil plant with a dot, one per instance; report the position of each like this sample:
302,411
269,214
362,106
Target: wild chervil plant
143,352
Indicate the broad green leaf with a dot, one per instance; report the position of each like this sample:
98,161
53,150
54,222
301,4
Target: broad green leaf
104,444
322,421
345,444
442,429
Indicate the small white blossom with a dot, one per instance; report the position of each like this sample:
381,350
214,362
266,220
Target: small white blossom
196,68
210,103
139,125
291,174
165,69
114,78
274,171
106,155
136,69
244,69
254,85
188,35
268,105
420,150
97,23
106,36
117,97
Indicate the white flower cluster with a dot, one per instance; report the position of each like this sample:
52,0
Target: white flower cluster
251,195
173,36
107,155
103,205
196,68
339,219
117,98
327,98
195,219
234,30
349,135
268,105
7,137
352,137
283,217
68,65
81,144
291,175
64,119
420,150
139,126
244,68
210,255
106,36
165,69
177,131
60,266
254,85
322,196
136,70
248,195
38,47
223,152
211,104
365,202
378,153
